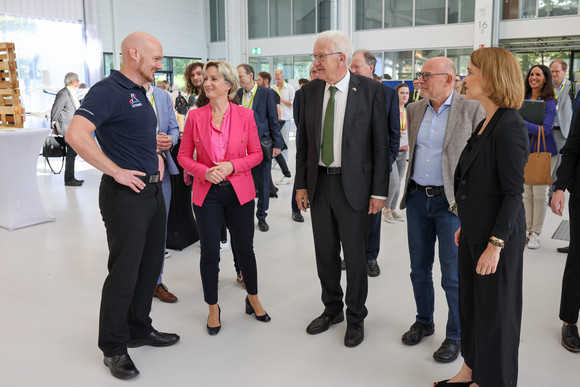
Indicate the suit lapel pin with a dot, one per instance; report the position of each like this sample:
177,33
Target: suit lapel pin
354,89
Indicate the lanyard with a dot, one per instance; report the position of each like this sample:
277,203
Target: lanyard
561,89
252,93
404,119
278,90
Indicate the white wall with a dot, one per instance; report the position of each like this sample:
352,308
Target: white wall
69,10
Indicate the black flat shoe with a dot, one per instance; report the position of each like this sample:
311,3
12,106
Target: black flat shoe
447,383
155,339
250,310
323,322
121,366
215,330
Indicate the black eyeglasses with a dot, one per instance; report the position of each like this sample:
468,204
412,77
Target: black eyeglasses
322,57
426,76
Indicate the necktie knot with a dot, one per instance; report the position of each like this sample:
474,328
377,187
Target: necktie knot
332,90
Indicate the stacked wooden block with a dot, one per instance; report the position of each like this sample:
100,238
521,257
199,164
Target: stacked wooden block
11,111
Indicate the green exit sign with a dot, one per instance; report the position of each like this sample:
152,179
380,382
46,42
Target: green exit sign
256,51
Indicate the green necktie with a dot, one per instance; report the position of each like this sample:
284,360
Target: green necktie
328,130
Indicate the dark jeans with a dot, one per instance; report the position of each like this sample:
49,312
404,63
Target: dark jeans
570,299
69,166
428,220
135,225
221,202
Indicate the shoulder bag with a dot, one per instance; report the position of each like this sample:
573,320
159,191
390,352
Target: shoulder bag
537,171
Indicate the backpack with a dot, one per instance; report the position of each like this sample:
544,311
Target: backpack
181,105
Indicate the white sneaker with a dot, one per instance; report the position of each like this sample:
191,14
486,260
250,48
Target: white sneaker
388,216
534,242
398,217
167,254
285,180
224,246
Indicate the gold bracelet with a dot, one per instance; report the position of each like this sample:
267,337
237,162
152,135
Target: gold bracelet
496,242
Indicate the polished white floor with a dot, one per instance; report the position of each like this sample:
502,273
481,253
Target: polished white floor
51,276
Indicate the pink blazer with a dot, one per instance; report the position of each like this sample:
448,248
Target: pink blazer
244,151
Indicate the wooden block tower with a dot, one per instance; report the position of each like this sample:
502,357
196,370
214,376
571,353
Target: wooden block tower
11,111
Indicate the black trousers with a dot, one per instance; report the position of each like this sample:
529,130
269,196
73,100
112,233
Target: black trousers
222,203
490,311
69,166
570,300
374,242
261,174
336,224
135,225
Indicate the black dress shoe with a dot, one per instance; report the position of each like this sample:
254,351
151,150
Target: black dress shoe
454,384
215,330
250,310
570,338
297,217
416,333
155,339
564,250
262,225
355,333
323,322
448,351
73,183
373,269
121,366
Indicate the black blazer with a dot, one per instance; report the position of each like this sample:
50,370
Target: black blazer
489,179
568,174
265,114
365,154
393,121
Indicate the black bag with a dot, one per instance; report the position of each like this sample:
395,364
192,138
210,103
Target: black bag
181,105
54,146
267,147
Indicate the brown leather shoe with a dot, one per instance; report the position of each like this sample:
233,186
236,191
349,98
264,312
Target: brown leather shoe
164,294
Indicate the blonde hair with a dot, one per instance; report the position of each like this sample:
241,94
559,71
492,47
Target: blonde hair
278,72
501,76
229,72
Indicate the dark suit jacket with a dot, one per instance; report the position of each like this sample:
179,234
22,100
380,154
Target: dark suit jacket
393,122
489,179
365,157
266,114
62,110
568,174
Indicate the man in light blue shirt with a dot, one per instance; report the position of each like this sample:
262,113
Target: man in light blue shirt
439,126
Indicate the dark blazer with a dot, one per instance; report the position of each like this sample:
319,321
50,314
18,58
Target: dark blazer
393,120
62,110
568,174
266,114
365,157
489,179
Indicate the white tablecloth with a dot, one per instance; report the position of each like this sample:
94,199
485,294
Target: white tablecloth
20,202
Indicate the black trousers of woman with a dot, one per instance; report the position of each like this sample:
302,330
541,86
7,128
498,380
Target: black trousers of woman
222,203
570,300
490,310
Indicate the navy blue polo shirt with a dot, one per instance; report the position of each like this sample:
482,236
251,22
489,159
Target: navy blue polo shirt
126,122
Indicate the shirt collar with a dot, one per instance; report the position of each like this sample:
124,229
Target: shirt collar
446,103
341,85
124,81
252,90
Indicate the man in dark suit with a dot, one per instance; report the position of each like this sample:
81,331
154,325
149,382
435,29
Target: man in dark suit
64,107
363,63
342,172
261,101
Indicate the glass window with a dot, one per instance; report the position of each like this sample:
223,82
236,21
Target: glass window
557,7
284,63
217,20
260,64
323,15
429,12
179,66
460,11
304,17
369,14
108,63
301,67
460,57
398,13
398,65
257,19
518,9
421,57
280,21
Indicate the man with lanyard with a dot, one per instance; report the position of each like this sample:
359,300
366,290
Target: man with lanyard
261,101
130,199
563,118
286,93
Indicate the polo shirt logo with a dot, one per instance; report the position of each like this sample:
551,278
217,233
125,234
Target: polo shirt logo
134,101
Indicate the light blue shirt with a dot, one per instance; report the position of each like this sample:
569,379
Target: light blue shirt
427,169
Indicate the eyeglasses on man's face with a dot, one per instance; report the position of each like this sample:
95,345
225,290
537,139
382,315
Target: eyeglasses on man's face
426,76
322,57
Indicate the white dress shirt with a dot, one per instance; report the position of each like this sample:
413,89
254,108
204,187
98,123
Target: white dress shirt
340,98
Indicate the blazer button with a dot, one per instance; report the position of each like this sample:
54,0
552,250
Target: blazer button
463,182
201,154
196,140
462,197
243,141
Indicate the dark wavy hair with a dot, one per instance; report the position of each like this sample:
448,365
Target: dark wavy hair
547,91
189,89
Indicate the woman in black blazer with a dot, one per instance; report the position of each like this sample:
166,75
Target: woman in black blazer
489,183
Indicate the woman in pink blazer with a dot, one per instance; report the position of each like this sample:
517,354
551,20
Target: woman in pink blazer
225,137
